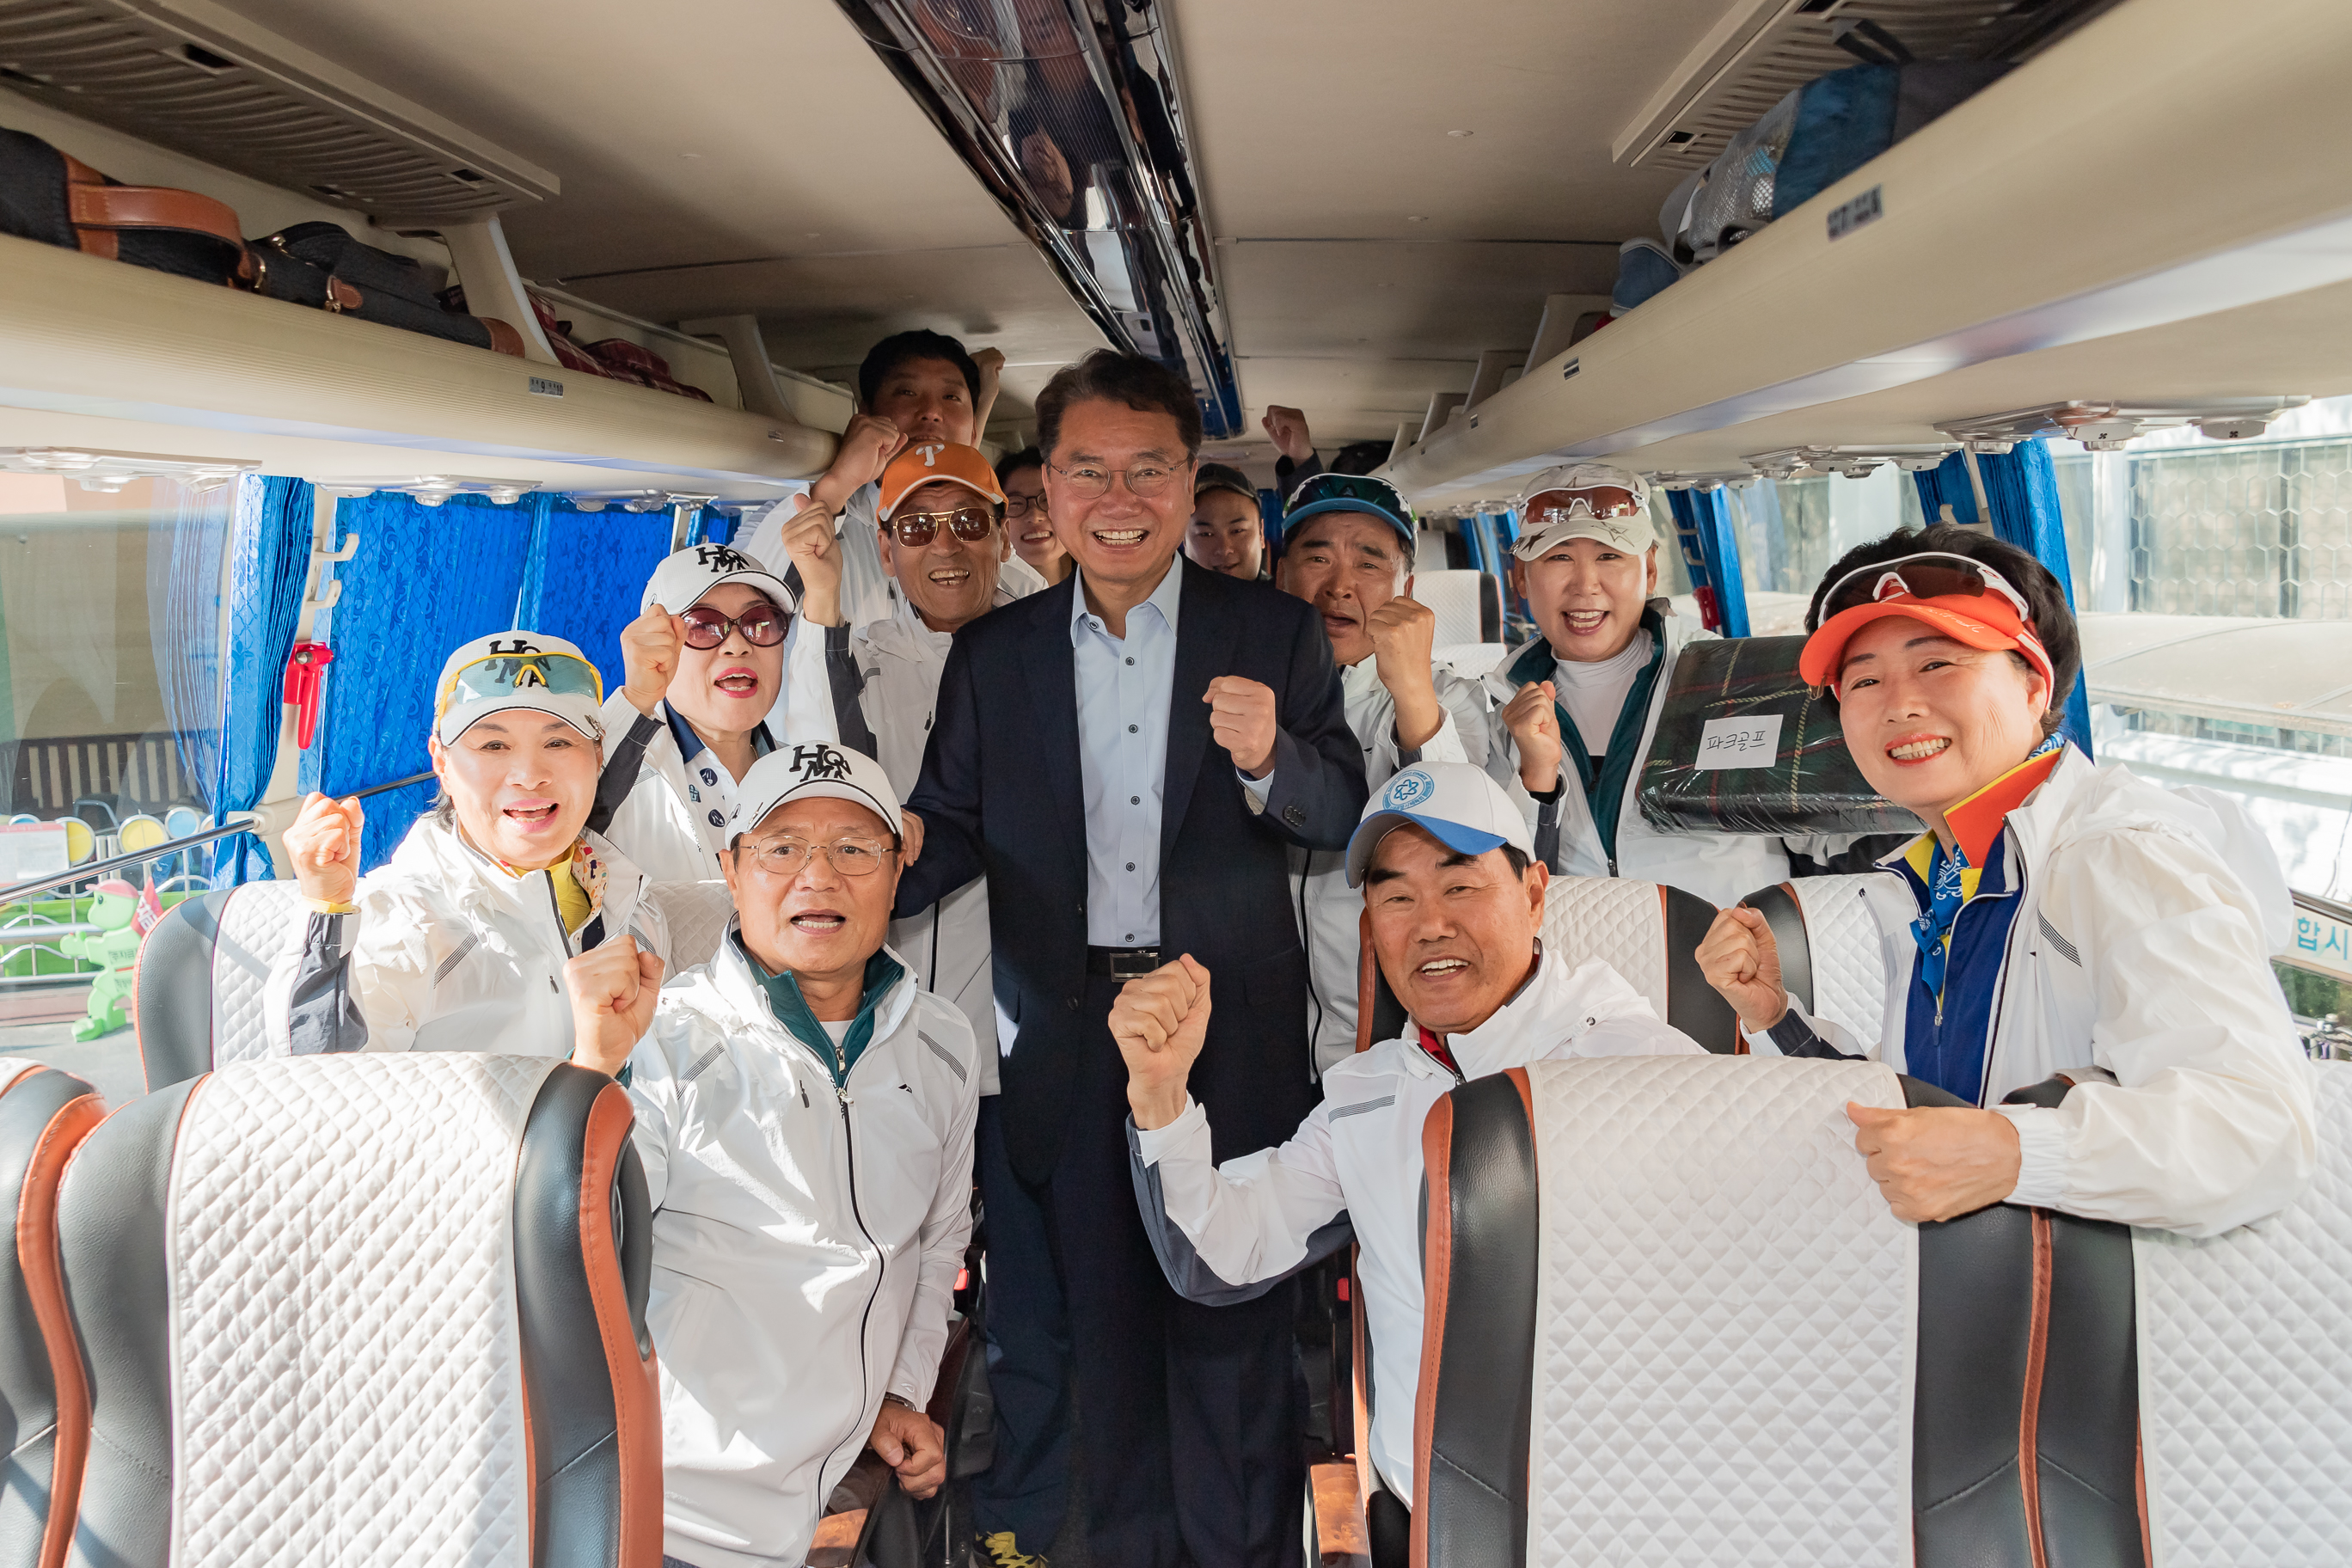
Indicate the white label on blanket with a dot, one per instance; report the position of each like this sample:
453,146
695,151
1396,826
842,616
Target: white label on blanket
1750,742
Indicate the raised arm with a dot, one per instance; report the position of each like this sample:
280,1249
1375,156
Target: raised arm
1317,790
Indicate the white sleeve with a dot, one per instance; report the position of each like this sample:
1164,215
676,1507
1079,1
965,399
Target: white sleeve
357,981
947,1228
653,1096
2211,1123
1252,1218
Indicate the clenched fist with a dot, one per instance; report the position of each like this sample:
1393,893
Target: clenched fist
1534,725
1159,1022
810,545
1242,720
1938,1161
1403,634
325,843
1287,429
650,647
1740,960
866,449
613,988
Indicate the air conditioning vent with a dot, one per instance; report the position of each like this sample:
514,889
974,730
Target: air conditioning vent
1756,55
201,81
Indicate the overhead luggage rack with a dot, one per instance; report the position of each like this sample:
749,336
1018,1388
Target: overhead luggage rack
198,78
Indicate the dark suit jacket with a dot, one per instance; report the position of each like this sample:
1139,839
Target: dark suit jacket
1002,795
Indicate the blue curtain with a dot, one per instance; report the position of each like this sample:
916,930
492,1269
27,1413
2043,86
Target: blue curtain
425,580
2022,487
1711,552
586,573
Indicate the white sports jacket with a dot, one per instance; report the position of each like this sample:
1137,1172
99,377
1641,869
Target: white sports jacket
1226,1233
806,1239
447,952
2136,947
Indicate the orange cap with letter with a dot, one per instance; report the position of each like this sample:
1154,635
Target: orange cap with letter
930,462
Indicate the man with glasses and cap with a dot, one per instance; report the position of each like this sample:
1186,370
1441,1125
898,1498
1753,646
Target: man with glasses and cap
1456,899
456,943
1579,703
707,664
1227,532
1347,549
805,1118
2055,918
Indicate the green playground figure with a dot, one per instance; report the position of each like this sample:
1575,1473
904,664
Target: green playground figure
123,916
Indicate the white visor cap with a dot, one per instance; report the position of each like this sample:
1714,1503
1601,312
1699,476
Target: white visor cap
517,669
683,578
1456,803
1541,530
797,768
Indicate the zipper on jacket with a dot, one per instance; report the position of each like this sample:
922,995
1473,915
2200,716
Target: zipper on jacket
865,1319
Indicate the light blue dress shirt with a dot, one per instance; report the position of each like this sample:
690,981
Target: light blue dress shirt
1125,686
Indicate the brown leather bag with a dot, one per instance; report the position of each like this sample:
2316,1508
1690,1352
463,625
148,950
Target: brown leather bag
47,196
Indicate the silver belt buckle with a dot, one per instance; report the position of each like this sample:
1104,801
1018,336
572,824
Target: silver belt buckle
1134,964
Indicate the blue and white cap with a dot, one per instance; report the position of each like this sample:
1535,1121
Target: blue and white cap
1456,804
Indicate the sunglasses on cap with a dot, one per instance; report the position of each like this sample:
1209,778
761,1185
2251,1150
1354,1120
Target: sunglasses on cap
510,676
1349,486
916,528
1931,574
762,626
1600,502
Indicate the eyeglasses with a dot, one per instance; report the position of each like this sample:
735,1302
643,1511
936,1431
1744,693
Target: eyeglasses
916,528
1931,574
1349,486
1599,501
762,626
850,857
1022,506
1088,482
526,671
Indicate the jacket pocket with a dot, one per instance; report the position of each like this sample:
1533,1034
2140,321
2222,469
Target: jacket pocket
1279,981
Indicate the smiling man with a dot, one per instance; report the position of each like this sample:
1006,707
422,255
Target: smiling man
1347,551
1227,532
805,1116
1128,756
1456,903
1580,702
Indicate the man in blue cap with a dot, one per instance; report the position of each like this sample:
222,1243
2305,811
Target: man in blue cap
1347,551
1457,899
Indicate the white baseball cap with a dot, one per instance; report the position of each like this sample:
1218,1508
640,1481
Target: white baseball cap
517,669
683,578
1542,529
1458,804
797,768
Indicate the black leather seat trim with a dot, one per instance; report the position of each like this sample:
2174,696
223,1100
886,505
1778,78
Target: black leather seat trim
28,1387
175,980
1471,1497
1693,1007
576,1452
1778,906
2088,1431
115,1246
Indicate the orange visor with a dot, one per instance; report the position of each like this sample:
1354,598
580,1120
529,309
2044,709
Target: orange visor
1985,621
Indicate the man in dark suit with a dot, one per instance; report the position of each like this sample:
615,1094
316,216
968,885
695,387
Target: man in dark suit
1126,756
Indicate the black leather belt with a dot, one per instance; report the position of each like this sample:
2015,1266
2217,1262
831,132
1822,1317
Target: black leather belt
1122,962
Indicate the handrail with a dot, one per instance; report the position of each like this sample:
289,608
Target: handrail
169,847
2318,905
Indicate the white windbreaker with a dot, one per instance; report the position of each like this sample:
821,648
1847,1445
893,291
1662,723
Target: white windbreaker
447,952
674,824
885,675
2136,947
805,1247
1356,1161
1721,867
1328,909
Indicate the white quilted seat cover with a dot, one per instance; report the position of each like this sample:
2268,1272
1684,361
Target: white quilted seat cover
1455,596
253,927
1726,1319
346,1372
1849,955
2245,1354
1621,923
699,914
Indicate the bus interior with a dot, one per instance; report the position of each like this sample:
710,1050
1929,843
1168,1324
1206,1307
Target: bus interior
2089,289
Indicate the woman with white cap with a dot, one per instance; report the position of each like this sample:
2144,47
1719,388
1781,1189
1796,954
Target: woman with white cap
459,942
707,666
2055,918
1579,703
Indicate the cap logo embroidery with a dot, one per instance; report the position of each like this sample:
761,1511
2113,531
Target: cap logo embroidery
930,456
722,558
1409,788
521,645
819,762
